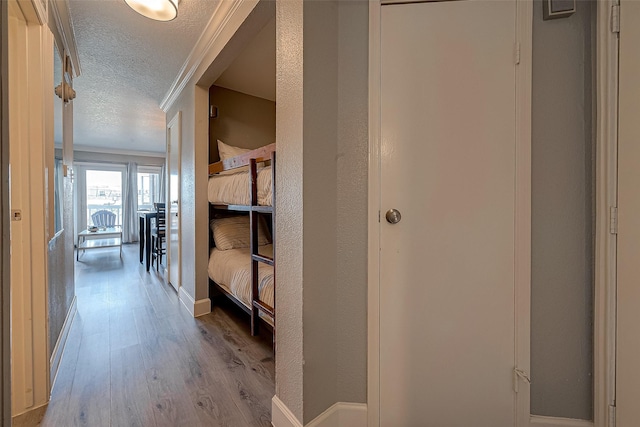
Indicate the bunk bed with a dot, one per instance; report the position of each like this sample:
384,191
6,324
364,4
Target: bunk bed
241,194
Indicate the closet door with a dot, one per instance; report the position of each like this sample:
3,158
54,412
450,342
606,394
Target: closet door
447,315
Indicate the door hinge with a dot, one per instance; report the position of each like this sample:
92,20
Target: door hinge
612,416
615,18
613,219
519,374
517,53
378,216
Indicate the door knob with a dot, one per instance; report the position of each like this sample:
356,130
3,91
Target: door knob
393,216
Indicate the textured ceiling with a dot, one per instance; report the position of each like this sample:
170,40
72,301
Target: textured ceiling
128,64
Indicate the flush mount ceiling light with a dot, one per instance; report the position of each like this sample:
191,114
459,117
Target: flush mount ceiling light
159,10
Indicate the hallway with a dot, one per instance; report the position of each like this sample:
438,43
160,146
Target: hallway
134,357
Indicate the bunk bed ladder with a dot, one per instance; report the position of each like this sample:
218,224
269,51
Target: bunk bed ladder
257,305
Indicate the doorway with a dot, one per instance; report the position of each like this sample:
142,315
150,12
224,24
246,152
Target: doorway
174,132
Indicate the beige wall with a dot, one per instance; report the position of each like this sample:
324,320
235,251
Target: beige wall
289,215
243,120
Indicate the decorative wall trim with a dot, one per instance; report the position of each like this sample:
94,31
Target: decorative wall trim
539,421
196,308
340,414
221,16
202,307
58,350
281,416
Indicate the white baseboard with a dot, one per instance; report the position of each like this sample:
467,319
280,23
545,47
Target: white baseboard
58,350
539,421
196,308
341,414
281,416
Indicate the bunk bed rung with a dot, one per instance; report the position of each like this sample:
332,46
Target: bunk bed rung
262,209
263,307
240,208
262,258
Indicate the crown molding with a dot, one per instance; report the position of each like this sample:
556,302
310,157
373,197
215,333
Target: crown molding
209,39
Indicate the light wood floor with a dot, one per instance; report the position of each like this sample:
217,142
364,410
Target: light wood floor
134,357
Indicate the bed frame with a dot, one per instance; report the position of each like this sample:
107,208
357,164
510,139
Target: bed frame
251,159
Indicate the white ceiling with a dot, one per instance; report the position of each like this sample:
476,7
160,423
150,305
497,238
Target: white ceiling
128,64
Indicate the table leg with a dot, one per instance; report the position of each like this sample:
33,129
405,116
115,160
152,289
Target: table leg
147,243
141,237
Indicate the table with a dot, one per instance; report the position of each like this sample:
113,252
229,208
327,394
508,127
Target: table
145,218
109,237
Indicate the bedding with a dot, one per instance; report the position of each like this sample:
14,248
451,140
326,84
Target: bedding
233,188
231,270
226,151
234,232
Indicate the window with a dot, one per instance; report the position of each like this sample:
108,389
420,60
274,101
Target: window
148,187
104,192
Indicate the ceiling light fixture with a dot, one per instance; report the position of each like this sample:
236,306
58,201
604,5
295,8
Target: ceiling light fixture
159,10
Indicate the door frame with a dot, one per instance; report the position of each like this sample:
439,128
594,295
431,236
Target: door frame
175,121
5,247
605,286
524,34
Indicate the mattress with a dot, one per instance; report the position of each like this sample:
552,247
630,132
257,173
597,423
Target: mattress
233,188
231,269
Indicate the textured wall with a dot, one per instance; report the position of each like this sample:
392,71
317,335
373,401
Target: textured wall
562,215
322,138
320,185
352,168
243,120
61,266
289,219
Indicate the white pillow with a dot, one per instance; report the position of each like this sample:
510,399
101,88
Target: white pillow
227,151
234,232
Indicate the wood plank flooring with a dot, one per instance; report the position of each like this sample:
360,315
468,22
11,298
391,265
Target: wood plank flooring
134,357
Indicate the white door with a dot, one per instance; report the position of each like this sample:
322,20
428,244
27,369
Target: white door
447,333
628,300
174,133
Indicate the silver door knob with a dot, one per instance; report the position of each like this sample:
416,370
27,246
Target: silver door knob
393,216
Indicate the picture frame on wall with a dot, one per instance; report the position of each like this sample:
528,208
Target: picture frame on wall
554,9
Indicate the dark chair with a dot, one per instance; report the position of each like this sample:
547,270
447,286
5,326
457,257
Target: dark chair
158,236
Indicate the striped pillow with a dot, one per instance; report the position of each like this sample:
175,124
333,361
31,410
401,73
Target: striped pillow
234,232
